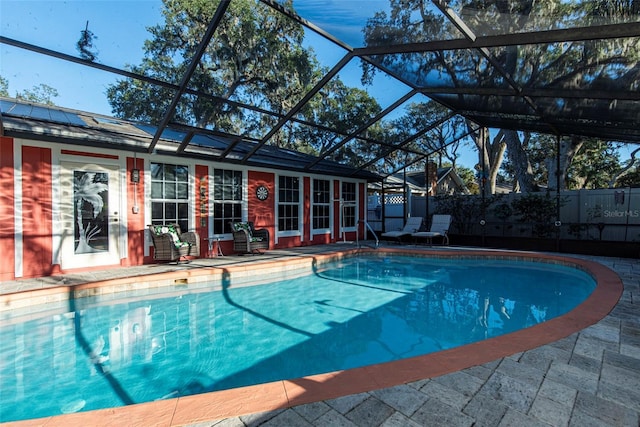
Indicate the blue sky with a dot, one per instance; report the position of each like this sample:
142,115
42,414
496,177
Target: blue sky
121,29
119,26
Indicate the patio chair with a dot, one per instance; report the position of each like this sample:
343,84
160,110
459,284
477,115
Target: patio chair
412,225
439,228
170,244
248,240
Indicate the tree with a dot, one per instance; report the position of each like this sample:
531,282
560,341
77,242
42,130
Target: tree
594,165
41,94
255,57
344,109
442,141
469,179
4,86
628,175
590,64
630,179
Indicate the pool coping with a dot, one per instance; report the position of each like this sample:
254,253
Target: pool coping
288,393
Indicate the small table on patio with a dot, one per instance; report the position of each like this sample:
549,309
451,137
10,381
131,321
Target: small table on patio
213,247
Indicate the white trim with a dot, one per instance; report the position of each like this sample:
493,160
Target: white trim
123,249
244,203
244,210
56,211
321,231
289,233
355,203
146,201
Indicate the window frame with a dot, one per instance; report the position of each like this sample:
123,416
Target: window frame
297,204
188,217
328,205
242,202
355,202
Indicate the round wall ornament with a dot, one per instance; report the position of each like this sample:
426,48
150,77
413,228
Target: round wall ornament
262,192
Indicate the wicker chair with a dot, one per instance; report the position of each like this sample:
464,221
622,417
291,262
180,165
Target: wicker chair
170,244
247,240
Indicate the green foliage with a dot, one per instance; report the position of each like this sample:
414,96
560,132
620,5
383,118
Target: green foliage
255,57
4,86
341,108
502,211
631,179
594,165
41,94
465,210
537,210
469,178
588,64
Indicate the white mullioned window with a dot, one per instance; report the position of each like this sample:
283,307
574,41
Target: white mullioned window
349,208
321,204
227,199
170,194
288,203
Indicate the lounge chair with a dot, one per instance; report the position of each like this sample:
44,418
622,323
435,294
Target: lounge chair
412,225
439,228
247,240
170,244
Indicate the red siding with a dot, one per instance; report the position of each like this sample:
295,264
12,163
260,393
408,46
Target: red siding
202,206
135,221
262,212
36,211
7,200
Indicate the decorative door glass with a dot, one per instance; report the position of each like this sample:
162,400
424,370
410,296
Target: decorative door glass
91,214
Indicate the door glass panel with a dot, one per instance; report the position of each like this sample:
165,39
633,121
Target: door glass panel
91,218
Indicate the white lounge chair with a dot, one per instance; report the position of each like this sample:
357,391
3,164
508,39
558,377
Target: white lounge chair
439,228
412,225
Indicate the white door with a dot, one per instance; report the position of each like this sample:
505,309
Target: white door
90,208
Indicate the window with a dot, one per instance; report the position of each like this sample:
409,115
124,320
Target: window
170,194
349,206
288,203
321,203
227,199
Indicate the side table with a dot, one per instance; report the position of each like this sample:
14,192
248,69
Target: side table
213,247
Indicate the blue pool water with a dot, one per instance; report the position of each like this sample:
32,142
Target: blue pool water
356,312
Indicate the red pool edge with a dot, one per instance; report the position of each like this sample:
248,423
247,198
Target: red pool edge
287,393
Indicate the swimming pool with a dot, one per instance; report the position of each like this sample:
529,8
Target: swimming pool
377,308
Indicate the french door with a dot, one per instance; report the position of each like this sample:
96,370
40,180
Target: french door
90,212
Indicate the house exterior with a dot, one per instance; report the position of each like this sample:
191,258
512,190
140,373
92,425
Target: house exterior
442,181
79,190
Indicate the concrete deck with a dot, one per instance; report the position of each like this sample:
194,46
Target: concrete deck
590,378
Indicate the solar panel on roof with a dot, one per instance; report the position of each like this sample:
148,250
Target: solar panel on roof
168,133
107,121
49,114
